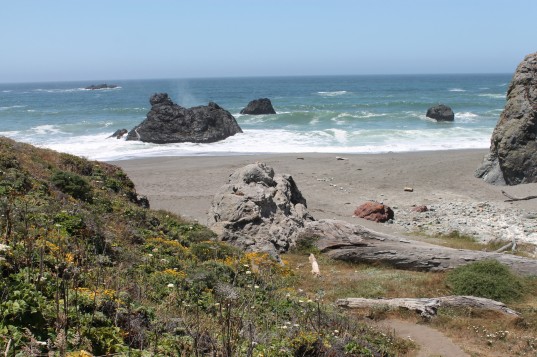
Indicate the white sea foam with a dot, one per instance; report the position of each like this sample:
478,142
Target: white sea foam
492,95
457,90
466,117
12,107
332,94
69,90
46,129
333,140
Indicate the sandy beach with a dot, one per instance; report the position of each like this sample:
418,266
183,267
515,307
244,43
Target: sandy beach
441,180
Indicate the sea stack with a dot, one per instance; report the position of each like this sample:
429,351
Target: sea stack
258,107
168,122
512,159
440,112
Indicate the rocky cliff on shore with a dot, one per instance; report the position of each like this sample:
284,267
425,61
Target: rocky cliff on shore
513,150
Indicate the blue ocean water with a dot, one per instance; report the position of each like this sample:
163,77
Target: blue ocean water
335,114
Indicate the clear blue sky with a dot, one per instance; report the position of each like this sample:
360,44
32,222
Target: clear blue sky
131,39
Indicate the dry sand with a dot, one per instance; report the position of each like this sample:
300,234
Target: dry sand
442,180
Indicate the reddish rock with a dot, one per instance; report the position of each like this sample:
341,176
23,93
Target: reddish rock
374,211
420,209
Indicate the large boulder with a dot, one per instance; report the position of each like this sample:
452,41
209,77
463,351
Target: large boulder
258,210
168,122
513,150
259,106
440,112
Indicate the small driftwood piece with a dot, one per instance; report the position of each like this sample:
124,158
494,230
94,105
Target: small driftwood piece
511,245
314,266
513,199
427,307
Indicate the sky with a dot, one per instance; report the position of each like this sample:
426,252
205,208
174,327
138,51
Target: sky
62,40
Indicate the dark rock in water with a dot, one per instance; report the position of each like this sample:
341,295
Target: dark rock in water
101,86
440,112
168,122
513,150
118,134
374,211
259,106
258,210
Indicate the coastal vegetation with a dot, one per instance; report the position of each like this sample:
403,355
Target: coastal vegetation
88,270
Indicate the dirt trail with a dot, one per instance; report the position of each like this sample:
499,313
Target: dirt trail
430,341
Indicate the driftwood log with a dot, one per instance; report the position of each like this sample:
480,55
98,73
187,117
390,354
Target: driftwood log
354,243
513,199
427,307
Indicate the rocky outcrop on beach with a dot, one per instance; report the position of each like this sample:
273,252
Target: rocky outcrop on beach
101,86
374,211
258,210
168,122
259,106
512,159
440,112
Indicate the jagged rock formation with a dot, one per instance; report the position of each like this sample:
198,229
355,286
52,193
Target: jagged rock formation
258,210
440,112
168,122
513,150
259,106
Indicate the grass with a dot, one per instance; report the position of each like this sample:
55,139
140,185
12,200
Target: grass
480,333
457,240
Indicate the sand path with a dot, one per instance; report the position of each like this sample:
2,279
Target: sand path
430,341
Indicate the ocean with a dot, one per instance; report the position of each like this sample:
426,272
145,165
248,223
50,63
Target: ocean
326,114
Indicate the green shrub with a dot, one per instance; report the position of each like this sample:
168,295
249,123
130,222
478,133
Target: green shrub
73,185
486,278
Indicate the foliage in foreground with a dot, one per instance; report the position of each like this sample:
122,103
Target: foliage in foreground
86,270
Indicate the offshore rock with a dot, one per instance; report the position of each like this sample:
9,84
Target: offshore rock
374,211
512,159
259,106
168,122
118,134
101,86
440,112
258,210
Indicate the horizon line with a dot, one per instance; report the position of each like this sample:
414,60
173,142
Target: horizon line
256,76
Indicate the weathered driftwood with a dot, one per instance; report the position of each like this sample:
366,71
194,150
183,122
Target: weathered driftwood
354,243
512,198
427,307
